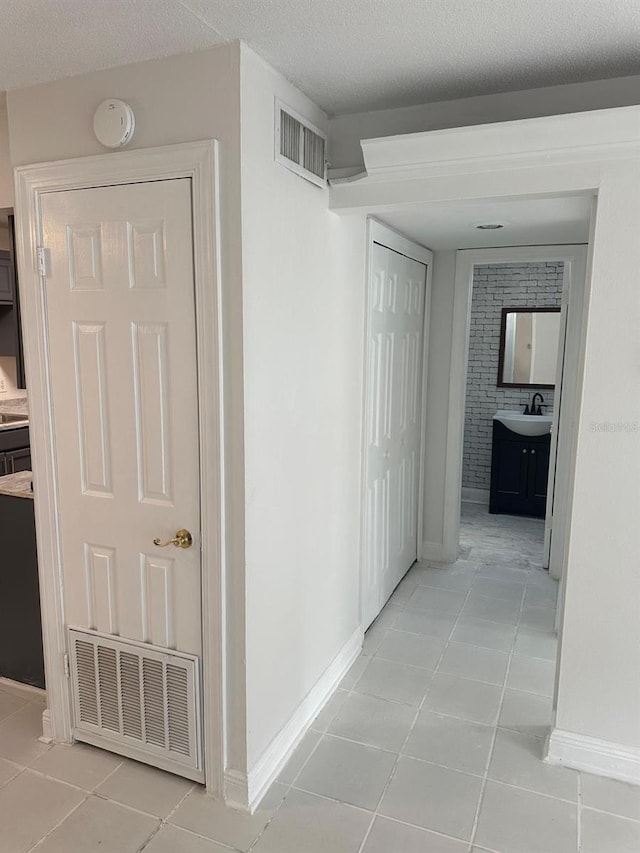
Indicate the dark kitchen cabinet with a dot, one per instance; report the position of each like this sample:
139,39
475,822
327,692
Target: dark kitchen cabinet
18,460
519,472
10,323
15,451
21,657
6,279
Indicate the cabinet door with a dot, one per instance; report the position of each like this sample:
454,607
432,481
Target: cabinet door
6,280
18,460
3,469
538,471
21,382
511,469
14,439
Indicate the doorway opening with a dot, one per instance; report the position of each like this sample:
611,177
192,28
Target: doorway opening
515,363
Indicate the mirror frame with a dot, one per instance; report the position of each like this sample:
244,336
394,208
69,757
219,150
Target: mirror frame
503,330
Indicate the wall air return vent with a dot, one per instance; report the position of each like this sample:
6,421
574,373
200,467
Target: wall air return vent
300,146
138,700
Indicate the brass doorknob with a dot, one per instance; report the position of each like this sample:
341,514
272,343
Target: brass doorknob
182,539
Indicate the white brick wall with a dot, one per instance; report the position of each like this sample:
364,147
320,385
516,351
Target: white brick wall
496,286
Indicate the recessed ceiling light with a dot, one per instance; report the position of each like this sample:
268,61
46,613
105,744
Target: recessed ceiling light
489,226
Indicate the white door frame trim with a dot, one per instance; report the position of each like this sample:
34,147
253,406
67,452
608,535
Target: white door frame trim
574,258
378,232
197,161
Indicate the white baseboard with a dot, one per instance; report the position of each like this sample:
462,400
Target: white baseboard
47,731
601,757
432,552
475,496
236,794
246,792
437,552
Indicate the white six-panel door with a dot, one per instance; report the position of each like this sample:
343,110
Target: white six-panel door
393,397
120,306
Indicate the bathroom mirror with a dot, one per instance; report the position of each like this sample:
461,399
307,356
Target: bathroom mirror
528,347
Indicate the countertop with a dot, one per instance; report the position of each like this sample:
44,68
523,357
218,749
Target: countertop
17,485
16,406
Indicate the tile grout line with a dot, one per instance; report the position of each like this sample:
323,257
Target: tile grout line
93,792
15,712
49,778
11,779
420,708
374,817
433,612
109,775
59,823
163,821
579,815
467,677
478,775
377,815
476,820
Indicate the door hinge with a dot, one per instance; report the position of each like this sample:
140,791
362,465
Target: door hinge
65,665
42,254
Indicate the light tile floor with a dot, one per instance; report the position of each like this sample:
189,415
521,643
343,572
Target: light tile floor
432,744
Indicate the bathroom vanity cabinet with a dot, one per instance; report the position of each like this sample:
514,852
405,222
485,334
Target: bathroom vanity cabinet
519,472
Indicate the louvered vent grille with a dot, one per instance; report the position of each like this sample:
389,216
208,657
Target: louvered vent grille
300,146
290,137
313,152
131,693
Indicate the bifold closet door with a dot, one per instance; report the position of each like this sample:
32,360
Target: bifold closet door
394,384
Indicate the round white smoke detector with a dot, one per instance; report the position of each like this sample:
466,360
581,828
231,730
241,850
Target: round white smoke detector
114,123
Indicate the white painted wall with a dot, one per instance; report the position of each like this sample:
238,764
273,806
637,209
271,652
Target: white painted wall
441,324
599,672
347,131
177,99
303,298
6,179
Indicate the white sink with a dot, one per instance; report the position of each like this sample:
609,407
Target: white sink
524,424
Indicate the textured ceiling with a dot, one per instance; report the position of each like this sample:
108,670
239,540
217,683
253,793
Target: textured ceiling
347,55
43,40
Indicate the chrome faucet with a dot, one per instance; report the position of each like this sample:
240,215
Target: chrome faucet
534,410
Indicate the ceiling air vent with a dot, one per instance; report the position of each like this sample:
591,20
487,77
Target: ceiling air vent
133,696
300,146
